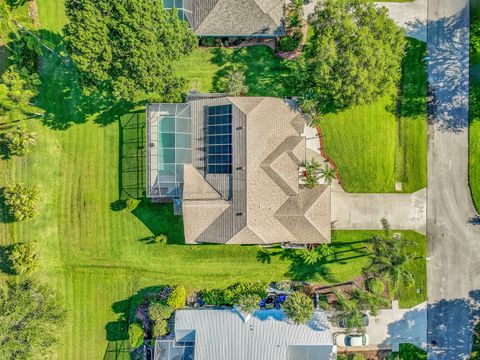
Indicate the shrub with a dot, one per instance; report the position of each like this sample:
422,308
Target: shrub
376,286
236,83
158,311
161,239
160,328
299,308
323,301
213,297
290,42
19,141
135,335
23,258
21,201
248,303
131,204
177,298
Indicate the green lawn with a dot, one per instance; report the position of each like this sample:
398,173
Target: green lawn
86,159
474,130
265,73
371,147
411,352
475,354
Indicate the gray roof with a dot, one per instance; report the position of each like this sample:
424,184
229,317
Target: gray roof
238,18
261,201
267,335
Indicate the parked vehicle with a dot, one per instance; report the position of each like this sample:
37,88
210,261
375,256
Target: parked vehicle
351,340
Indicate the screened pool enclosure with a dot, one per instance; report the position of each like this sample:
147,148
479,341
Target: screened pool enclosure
169,147
184,8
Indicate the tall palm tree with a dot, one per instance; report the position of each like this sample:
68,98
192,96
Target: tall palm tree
348,312
328,174
390,257
367,300
296,7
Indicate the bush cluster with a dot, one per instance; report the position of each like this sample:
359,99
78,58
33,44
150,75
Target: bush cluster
231,294
22,258
290,42
376,286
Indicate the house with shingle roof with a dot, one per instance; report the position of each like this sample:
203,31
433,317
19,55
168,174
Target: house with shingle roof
233,168
232,18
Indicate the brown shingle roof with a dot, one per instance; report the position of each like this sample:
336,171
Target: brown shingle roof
268,151
238,17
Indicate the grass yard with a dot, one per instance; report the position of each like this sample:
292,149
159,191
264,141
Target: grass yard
474,129
372,147
411,352
475,354
87,158
266,74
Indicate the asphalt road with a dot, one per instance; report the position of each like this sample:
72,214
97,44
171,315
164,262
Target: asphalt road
453,236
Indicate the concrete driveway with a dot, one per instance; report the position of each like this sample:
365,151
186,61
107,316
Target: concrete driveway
397,326
364,211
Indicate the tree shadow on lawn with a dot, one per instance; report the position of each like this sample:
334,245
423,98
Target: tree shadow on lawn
266,75
126,311
319,271
61,96
298,270
132,309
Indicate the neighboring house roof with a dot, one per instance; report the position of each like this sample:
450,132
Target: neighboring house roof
267,335
261,202
238,18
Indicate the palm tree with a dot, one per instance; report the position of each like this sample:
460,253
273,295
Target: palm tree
367,300
328,174
236,83
296,7
390,257
348,312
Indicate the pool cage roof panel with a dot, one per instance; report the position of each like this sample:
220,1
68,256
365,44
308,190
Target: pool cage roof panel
169,134
184,8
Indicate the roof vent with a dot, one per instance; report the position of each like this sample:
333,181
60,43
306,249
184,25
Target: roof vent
251,327
239,214
240,168
239,128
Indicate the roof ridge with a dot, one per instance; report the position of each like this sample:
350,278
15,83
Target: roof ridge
268,14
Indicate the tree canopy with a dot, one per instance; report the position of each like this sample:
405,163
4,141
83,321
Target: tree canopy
127,47
355,54
299,308
29,320
17,90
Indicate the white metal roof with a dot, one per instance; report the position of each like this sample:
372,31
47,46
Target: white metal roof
267,335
